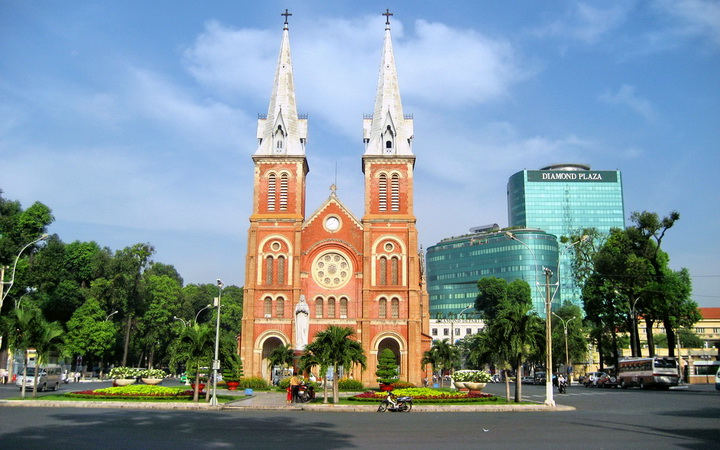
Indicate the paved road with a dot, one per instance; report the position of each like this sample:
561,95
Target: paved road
687,418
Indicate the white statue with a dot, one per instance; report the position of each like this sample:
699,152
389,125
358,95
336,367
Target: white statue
302,323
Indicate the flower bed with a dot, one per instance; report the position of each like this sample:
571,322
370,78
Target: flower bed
427,395
139,392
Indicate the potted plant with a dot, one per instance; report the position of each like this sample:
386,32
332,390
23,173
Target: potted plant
387,371
231,377
152,376
123,376
460,378
477,380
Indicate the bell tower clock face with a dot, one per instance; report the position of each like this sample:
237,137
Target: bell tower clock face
332,223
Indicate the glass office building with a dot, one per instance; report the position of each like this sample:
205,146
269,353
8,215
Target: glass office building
562,200
455,265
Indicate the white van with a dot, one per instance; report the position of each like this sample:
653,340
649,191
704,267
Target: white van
49,377
717,380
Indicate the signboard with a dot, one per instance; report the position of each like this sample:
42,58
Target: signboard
576,176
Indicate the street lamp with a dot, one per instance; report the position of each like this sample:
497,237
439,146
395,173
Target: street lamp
12,278
549,400
181,320
216,361
110,315
452,325
198,313
565,327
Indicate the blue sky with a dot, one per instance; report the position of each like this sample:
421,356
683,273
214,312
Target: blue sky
135,121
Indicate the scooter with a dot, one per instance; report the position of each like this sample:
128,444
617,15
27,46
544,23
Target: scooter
305,393
562,386
402,404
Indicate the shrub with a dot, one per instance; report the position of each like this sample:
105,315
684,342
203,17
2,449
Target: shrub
253,383
387,372
402,385
346,384
135,391
122,372
473,376
152,373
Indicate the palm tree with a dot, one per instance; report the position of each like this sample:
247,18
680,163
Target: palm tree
282,355
336,347
195,346
309,359
22,323
47,338
442,355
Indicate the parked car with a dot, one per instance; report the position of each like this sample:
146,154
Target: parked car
528,380
607,381
591,378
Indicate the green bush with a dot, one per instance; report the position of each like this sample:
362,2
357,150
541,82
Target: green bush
285,383
346,384
402,385
387,372
253,383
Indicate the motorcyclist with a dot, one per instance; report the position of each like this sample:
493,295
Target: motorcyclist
392,399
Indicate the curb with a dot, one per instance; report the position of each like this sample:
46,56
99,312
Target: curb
304,407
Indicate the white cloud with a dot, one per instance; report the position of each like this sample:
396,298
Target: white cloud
626,96
695,18
585,23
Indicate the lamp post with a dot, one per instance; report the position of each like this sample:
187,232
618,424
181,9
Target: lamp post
181,320
565,328
110,315
198,313
12,278
452,325
216,361
549,398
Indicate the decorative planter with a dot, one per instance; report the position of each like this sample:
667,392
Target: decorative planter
475,386
201,386
152,380
123,381
386,387
460,384
232,385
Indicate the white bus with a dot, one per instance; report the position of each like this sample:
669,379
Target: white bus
658,371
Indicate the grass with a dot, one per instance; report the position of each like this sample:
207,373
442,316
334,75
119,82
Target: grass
131,394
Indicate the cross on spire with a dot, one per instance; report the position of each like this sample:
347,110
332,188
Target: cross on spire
286,14
387,15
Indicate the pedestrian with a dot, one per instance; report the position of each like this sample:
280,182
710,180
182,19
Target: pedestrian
77,377
295,387
3,376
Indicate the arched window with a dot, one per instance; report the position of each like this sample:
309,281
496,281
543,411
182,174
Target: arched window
267,307
343,308
382,275
280,308
271,192
382,308
318,308
395,307
281,270
269,270
279,135
395,193
394,269
331,308
283,192
382,192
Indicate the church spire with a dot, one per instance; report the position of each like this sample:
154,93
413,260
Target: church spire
388,132
282,131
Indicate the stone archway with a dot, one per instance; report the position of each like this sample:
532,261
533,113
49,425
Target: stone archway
268,346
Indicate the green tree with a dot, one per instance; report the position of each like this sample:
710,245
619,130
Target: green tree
89,334
282,355
387,368
568,317
195,348
442,356
154,327
22,322
47,339
337,347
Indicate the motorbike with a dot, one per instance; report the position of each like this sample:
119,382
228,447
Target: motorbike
562,386
402,404
305,393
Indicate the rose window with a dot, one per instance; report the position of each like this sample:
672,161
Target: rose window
332,270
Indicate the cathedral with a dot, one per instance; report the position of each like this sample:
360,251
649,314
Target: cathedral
305,273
